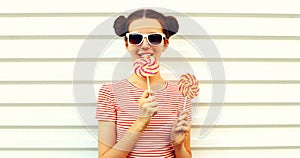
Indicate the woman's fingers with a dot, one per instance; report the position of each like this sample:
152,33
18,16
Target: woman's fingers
181,128
182,123
153,107
147,97
150,99
148,109
182,117
147,93
185,111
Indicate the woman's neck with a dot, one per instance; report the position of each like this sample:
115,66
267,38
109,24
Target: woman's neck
156,82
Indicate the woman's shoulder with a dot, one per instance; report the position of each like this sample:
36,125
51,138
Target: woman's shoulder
172,84
114,84
112,89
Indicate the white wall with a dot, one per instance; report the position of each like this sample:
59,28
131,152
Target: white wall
258,41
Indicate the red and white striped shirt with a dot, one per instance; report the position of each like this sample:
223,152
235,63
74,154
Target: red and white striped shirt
118,102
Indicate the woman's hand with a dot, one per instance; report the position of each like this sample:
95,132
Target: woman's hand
180,129
147,107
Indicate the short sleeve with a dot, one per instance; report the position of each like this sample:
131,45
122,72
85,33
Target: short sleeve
106,108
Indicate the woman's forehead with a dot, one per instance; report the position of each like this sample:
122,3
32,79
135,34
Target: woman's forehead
145,24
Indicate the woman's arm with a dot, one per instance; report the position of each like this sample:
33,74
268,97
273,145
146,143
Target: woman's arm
181,136
108,148
184,150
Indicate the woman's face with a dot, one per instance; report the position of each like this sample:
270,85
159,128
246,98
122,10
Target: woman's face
146,26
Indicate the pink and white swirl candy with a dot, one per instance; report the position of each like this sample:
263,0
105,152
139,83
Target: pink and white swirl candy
188,85
146,66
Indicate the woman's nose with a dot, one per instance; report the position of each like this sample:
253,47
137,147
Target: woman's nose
145,43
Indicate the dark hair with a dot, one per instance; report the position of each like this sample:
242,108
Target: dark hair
169,23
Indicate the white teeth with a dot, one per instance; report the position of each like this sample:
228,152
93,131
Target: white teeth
148,54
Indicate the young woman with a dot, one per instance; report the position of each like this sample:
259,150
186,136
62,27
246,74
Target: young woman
135,122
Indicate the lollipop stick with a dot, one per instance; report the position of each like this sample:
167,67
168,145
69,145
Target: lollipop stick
148,83
185,98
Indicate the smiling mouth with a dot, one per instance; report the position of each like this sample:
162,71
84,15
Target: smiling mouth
143,54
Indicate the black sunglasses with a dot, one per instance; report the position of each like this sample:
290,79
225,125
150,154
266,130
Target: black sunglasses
137,38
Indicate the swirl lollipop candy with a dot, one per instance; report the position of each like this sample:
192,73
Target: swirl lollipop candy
188,86
146,66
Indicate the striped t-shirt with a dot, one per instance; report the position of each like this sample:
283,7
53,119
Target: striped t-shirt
118,102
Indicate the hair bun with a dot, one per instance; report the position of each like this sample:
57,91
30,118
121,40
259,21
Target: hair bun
120,26
173,25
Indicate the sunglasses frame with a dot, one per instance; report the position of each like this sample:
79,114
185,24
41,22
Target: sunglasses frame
163,36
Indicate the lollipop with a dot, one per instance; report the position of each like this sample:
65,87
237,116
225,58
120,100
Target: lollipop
146,66
188,86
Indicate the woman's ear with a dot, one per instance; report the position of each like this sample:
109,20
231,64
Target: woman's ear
166,44
126,43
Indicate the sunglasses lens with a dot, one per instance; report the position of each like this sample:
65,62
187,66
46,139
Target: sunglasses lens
135,38
155,39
